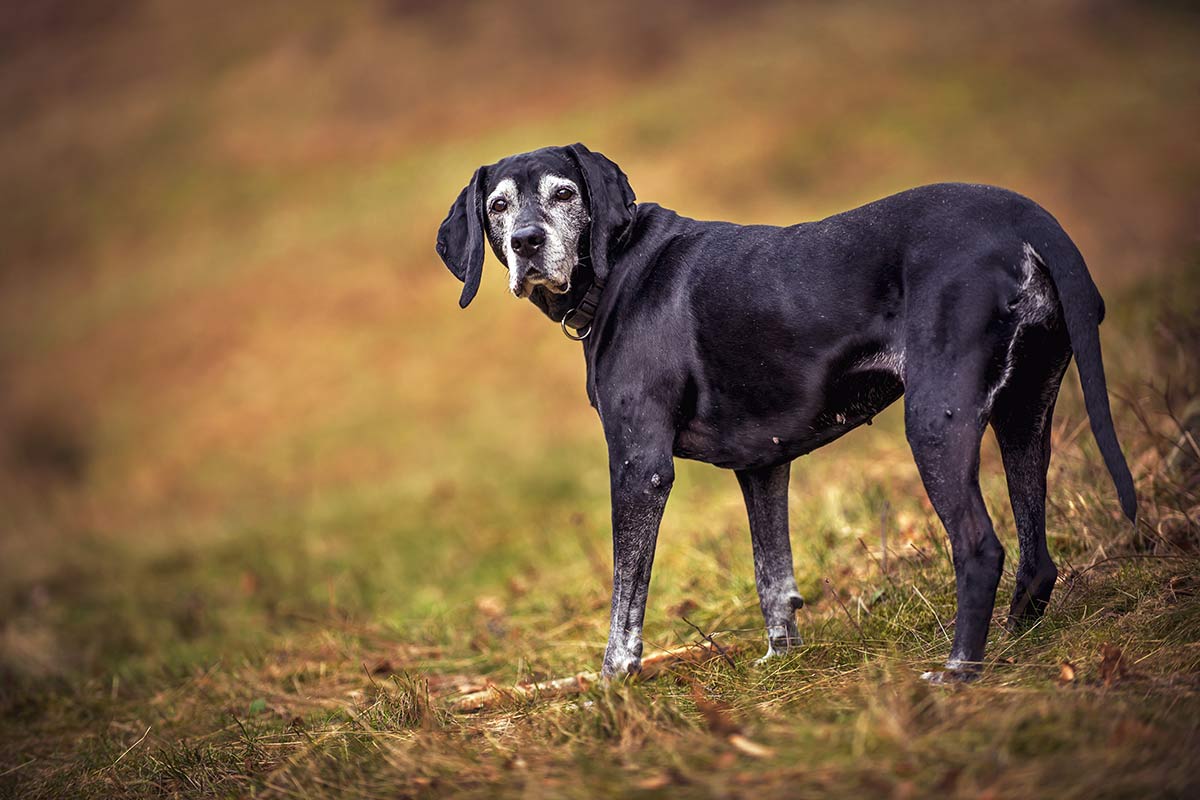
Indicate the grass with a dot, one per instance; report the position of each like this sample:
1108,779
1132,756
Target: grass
267,500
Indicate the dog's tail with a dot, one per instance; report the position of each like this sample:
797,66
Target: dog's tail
1083,310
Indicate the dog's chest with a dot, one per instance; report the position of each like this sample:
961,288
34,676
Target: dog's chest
764,415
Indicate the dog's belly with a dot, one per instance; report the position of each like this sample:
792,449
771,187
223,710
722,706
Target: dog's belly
755,426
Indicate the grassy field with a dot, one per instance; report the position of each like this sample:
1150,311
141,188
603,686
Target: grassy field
269,500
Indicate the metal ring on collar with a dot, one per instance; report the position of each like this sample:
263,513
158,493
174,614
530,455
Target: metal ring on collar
567,331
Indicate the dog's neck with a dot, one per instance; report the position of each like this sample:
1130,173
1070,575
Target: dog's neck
583,280
663,224
557,306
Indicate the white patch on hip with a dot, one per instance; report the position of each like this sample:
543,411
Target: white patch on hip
1035,304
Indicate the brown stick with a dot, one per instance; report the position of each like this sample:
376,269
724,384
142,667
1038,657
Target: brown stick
652,666
710,640
833,593
883,526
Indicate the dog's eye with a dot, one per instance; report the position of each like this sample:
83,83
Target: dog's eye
499,204
565,193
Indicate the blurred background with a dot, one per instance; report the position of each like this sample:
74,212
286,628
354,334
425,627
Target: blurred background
240,410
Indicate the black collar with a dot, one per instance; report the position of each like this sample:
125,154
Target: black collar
580,317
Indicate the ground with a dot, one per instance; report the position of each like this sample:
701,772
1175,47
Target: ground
269,500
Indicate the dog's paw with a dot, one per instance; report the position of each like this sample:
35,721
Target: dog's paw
772,656
620,665
956,672
780,641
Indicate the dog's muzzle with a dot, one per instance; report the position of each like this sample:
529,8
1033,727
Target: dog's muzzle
531,273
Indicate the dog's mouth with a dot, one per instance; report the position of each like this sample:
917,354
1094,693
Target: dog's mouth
527,288
534,277
557,288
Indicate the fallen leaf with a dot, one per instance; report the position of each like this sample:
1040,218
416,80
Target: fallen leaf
726,760
718,716
489,606
1183,586
1112,664
947,783
750,747
1129,731
683,607
660,781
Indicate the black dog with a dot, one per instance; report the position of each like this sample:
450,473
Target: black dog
747,346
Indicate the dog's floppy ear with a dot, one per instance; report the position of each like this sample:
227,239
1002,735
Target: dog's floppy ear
610,203
460,239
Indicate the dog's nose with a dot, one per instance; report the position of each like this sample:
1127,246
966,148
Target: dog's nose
527,240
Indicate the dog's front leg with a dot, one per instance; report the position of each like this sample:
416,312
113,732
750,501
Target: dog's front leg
641,473
766,494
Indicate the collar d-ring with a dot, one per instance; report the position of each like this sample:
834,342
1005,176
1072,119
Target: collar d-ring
575,337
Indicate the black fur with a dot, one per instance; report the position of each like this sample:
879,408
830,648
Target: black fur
748,346
460,238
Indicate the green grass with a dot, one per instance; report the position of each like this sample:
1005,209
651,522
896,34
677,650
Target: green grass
267,498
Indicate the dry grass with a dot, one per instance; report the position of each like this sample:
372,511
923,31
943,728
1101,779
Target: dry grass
268,502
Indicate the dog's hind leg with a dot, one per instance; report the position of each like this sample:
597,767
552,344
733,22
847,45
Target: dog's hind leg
1021,418
947,455
955,357
766,493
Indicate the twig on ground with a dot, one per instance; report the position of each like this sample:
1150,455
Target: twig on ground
370,677
882,566
652,666
933,611
708,639
128,749
920,552
1130,556
833,592
883,526
245,735
11,770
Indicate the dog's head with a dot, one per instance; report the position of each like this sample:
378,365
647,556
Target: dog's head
542,213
